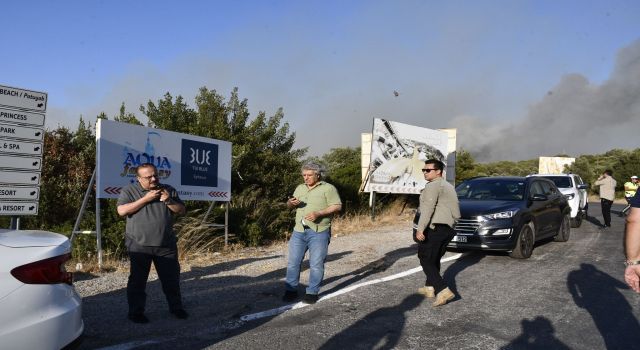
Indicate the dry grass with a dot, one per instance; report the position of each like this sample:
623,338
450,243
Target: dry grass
394,214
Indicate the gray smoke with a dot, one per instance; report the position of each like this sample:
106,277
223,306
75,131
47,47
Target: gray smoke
574,118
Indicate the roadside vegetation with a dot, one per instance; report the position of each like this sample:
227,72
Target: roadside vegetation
265,170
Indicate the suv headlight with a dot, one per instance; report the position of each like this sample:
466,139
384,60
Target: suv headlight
501,215
569,196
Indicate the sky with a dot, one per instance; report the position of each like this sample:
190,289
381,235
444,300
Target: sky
517,79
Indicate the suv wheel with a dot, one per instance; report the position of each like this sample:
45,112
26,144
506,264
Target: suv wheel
524,244
564,231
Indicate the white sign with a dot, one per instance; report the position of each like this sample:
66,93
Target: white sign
21,132
12,192
553,165
198,167
21,117
18,162
398,152
23,99
19,147
19,177
18,208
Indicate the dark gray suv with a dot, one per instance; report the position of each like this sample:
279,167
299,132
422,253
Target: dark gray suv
510,214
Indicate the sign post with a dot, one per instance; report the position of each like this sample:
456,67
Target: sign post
22,114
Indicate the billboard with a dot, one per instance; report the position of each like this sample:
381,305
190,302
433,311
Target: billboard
397,154
553,165
198,167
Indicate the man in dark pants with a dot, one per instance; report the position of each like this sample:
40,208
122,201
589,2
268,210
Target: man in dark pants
439,210
148,206
607,195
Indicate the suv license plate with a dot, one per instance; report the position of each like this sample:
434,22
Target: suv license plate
462,239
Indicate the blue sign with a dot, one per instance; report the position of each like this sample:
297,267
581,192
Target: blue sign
199,164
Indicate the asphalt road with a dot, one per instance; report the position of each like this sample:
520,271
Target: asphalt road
566,296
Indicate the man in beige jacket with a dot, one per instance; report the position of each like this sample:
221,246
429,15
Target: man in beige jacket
439,211
607,195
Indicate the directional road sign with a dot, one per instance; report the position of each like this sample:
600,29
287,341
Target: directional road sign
21,117
19,147
15,192
23,99
18,208
20,132
19,178
20,162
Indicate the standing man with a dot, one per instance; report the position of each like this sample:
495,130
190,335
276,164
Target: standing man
315,202
148,206
439,211
630,188
632,245
607,195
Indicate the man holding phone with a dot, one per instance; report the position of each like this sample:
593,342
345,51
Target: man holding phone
149,206
315,201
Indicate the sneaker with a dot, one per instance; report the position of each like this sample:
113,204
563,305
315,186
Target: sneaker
180,313
290,295
443,297
427,291
310,298
138,318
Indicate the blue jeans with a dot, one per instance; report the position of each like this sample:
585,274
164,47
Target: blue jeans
318,244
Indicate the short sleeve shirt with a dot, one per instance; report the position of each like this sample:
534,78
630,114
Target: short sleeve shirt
152,225
319,197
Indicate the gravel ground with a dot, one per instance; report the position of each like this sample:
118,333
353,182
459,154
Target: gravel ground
247,281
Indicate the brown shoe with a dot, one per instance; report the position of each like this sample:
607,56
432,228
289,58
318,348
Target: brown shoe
427,291
443,297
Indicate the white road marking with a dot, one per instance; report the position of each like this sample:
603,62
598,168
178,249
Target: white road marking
298,305
283,309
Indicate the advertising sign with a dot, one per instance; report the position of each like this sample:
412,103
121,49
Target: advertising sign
398,152
553,165
198,167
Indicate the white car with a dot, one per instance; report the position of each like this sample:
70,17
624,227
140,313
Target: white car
575,190
39,308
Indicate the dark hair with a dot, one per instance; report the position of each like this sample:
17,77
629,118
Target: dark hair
145,165
436,164
608,172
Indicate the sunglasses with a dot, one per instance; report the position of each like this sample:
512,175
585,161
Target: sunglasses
427,170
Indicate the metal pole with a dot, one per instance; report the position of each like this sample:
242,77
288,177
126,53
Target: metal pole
84,205
98,233
15,223
226,225
204,219
372,203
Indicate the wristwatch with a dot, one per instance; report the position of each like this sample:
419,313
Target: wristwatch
631,262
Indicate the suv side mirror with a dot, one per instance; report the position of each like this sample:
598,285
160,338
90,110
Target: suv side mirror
539,197
583,186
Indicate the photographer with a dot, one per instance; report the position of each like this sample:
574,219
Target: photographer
148,207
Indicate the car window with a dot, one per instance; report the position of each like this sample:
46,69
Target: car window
561,181
536,188
578,180
547,188
506,190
